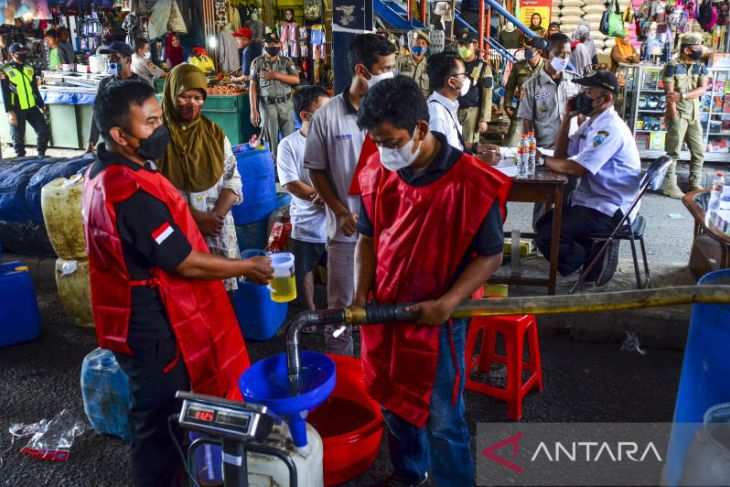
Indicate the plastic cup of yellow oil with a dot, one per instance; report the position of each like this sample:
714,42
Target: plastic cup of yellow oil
283,285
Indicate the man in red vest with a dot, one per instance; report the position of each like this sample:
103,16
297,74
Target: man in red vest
430,232
156,291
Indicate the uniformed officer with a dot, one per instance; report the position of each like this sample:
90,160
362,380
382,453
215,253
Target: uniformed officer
685,81
475,105
543,100
23,101
543,96
415,64
603,153
518,76
272,78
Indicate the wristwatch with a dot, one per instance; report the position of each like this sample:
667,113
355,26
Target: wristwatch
684,96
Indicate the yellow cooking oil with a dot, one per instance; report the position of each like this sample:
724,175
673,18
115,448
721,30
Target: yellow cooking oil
283,289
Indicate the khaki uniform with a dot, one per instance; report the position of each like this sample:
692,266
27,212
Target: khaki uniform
417,71
274,98
518,76
686,127
476,106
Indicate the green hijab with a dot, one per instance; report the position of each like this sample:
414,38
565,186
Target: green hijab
194,159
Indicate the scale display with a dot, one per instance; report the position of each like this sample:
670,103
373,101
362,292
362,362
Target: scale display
217,418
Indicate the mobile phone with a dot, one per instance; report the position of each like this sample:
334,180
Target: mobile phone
573,104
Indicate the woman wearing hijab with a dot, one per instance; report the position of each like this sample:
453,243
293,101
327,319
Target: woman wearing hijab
553,28
199,162
623,52
173,51
580,56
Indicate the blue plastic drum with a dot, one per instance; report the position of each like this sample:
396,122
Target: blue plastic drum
705,377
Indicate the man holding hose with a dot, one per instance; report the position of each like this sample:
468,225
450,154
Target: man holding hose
430,231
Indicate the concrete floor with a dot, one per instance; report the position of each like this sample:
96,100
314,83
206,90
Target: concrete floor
584,382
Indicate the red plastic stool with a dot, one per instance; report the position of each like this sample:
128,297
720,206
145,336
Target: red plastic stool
513,330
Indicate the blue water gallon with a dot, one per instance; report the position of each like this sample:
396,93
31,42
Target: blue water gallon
105,390
258,316
20,320
256,167
705,377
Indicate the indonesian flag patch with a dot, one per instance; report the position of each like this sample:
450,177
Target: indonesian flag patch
161,234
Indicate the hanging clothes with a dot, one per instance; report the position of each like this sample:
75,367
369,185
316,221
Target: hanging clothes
228,51
288,36
267,12
234,18
257,27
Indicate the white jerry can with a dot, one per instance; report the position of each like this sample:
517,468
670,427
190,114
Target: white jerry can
61,205
268,471
74,287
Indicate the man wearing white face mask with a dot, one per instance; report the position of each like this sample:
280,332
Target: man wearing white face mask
415,64
331,155
449,81
543,98
422,198
141,64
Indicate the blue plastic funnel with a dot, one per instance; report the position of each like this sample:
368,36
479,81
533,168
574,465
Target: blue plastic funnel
267,382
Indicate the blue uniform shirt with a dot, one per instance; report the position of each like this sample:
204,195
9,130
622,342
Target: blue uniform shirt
607,150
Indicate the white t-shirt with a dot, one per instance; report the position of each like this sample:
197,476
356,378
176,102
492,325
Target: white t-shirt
443,118
309,221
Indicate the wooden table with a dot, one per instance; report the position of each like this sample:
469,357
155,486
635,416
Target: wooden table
711,246
546,187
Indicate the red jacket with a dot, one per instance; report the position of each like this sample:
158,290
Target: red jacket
199,312
421,236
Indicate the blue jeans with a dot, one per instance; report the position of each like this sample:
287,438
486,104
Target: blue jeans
442,447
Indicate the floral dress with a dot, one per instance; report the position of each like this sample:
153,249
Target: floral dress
225,244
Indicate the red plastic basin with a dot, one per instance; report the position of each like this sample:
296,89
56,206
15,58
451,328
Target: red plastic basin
350,424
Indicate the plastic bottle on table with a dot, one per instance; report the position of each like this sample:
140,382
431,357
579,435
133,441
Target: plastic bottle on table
523,150
532,143
715,194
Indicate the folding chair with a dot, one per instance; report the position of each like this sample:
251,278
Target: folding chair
630,231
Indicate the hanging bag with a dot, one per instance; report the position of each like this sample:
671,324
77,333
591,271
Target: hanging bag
613,21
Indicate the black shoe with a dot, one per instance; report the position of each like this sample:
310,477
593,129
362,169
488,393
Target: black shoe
396,481
610,263
605,267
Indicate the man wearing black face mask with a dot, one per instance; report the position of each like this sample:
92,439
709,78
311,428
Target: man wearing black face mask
685,82
157,296
120,65
23,101
604,155
272,78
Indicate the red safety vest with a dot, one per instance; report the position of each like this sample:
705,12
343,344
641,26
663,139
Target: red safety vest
199,312
421,236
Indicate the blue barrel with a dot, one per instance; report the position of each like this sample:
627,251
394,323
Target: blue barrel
105,390
705,377
20,320
259,185
258,316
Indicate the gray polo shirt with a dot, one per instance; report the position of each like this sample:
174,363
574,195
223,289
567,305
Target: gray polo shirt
543,102
334,143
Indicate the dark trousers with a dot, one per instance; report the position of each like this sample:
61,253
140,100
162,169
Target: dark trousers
36,119
154,459
577,223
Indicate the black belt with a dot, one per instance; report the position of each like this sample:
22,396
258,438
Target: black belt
271,100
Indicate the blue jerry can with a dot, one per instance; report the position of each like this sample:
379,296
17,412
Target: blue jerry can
20,320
